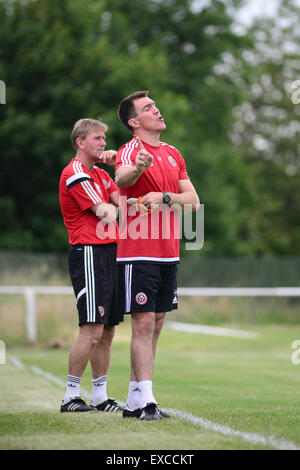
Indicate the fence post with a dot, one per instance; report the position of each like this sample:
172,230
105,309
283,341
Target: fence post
30,319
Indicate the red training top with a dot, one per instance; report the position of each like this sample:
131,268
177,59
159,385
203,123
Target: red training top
152,237
79,190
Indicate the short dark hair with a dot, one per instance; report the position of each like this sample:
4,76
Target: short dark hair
126,108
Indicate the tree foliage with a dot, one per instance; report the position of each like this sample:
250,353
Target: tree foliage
62,61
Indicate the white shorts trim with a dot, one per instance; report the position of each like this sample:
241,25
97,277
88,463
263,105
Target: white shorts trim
149,258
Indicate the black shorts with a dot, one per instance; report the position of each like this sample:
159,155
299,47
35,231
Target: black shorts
93,272
147,287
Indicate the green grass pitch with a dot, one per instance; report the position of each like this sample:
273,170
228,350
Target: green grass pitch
248,386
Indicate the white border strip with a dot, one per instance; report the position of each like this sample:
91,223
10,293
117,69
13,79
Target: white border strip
253,438
209,330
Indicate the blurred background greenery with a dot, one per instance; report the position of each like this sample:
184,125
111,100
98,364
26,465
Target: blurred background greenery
224,89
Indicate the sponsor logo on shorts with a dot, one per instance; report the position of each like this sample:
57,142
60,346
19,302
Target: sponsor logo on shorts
172,161
101,310
141,298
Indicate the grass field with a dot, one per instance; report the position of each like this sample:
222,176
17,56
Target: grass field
222,393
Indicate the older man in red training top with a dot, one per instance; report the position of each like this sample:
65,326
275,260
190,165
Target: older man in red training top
154,173
89,202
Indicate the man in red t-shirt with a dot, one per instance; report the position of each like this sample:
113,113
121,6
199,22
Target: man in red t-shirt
153,173
89,202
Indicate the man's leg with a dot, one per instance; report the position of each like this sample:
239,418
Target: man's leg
141,402
135,345
100,356
140,386
89,336
100,360
159,322
133,400
143,325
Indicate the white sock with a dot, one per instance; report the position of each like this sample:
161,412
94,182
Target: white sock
73,387
99,394
134,393
146,395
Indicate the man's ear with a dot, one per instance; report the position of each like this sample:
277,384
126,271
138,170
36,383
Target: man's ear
79,142
133,122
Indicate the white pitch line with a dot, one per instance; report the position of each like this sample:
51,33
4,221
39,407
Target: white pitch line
253,438
17,362
48,376
209,330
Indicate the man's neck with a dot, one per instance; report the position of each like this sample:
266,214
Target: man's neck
149,138
85,161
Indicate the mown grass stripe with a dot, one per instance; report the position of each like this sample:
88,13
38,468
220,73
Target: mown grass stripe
253,438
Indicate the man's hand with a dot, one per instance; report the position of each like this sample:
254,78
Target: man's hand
108,157
144,159
106,212
152,198
127,175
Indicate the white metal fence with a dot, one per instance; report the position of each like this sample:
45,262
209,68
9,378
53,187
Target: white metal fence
30,293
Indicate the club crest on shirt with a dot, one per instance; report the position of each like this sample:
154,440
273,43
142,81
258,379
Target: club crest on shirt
172,160
105,183
101,310
141,298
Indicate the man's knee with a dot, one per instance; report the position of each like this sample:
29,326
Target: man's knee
143,323
92,331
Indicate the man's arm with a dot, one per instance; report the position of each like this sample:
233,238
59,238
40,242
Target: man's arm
105,211
187,196
114,198
127,175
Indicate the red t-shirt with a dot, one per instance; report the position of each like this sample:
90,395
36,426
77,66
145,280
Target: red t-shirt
153,237
79,190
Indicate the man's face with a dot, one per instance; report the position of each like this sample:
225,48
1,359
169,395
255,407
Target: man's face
94,144
147,116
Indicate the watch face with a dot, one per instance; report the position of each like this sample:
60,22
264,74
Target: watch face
167,198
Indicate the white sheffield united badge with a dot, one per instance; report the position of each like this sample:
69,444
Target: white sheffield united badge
141,298
101,310
172,160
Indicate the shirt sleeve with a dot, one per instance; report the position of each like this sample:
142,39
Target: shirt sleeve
83,190
127,154
182,168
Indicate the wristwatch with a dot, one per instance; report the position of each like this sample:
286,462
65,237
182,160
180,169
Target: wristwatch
166,197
